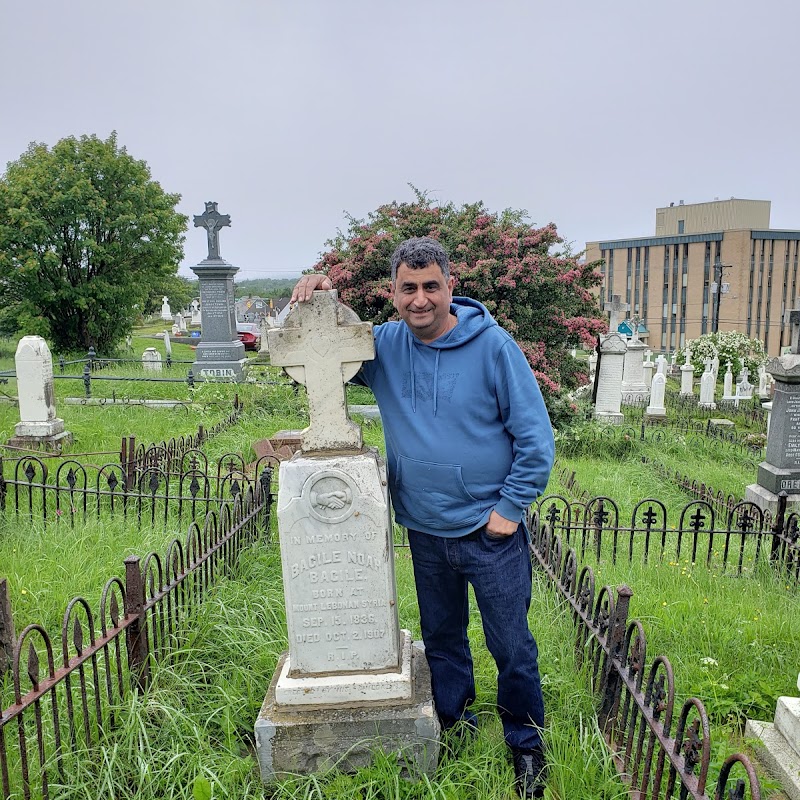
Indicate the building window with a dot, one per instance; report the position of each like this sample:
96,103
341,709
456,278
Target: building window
680,226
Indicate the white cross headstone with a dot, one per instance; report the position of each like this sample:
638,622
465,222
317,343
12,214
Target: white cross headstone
727,384
322,346
166,311
345,644
195,306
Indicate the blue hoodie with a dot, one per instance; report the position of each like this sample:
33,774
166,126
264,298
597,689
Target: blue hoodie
466,428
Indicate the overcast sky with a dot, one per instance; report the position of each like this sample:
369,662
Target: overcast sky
289,114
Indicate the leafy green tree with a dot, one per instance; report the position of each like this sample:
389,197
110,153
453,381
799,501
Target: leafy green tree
85,233
533,286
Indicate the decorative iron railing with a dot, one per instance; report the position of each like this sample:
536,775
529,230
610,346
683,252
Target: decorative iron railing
656,756
66,693
744,534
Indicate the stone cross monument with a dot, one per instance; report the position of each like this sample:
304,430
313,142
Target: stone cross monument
634,388
351,680
220,354
615,308
212,221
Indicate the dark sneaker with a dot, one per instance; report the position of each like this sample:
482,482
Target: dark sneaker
530,772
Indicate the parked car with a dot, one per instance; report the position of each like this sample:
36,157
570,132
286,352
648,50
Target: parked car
250,334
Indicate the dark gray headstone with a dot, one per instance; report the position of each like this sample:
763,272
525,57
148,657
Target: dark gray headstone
220,354
781,469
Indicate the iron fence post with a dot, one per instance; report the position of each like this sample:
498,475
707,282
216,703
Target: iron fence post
87,379
3,487
190,378
778,528
91,356
611,679
61,364
136,639
7,635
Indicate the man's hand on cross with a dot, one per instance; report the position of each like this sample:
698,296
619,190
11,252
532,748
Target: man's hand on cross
305,287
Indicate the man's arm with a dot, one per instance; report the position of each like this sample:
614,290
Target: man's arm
304,288
525,418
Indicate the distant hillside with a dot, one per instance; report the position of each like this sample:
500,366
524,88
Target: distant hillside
265,287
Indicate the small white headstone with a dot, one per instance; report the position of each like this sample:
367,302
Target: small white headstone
727,384
167,344
708,384
657,393
37,403
151,360
166,311
196,320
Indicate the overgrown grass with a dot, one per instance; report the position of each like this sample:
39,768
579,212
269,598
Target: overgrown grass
193,727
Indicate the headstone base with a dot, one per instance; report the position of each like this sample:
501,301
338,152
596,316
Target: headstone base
48,428
767,500
220,360
778,480
656,414
53,443
712,406
347,689
292,741
775,748
609,418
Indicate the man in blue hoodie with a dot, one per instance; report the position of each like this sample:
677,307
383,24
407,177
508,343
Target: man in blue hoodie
469,446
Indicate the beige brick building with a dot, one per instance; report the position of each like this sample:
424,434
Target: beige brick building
670,279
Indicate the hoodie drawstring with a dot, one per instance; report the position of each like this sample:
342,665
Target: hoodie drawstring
436,382
413,382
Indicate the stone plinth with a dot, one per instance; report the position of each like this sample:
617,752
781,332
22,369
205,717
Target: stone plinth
220,354
151,359
656,410
292,740
778,745
39,427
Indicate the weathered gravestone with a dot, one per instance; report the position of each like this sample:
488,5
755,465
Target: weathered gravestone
634,388
151,360
220,354
727,384
687,375
708,385
608,382
39,427
780,471
351,680
166,311
196,316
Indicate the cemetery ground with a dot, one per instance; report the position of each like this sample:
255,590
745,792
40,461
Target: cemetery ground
731,635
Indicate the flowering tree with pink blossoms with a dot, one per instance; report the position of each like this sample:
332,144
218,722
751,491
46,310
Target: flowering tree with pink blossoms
533,286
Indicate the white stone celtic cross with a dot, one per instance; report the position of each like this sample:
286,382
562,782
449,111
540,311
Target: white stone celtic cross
322,344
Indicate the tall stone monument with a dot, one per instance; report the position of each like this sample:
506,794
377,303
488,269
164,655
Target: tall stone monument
220,354
634,388
351,680
780,471
39,427
608,383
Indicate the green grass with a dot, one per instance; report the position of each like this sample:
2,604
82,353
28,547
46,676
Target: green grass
176,738
195,722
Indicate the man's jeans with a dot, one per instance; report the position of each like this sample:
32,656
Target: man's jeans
500,573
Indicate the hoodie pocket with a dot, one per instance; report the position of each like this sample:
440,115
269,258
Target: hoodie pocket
435,494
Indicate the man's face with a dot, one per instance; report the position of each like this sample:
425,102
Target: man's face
422,298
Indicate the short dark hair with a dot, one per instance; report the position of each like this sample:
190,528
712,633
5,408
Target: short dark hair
417,253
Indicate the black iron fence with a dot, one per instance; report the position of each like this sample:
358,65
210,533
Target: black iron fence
739,535
66,692
155,486
748,411
656,754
